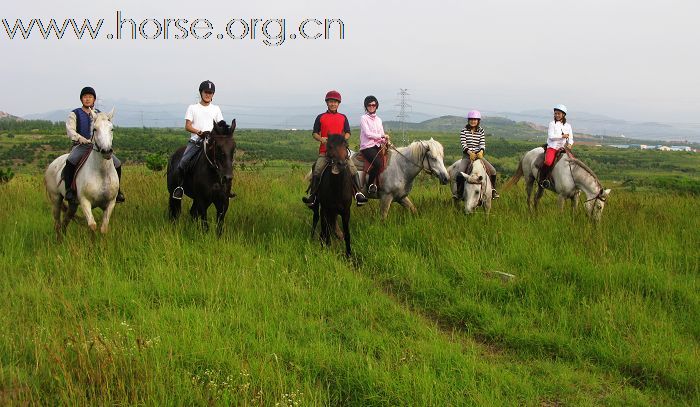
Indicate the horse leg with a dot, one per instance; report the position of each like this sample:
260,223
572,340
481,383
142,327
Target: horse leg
561,200
528,187
56,210
221,209
325,229
406,203
87,212
538,195
67,217
385,205
338,232
315,220
574,202
202,209
105,217
174,207
346,229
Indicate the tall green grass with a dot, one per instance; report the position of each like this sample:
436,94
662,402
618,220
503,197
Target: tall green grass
164,314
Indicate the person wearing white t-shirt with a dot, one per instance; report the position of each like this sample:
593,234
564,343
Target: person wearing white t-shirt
559,136
199,120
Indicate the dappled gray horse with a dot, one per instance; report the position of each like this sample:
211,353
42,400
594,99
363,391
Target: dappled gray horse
478,190
96,182
570,176
403,165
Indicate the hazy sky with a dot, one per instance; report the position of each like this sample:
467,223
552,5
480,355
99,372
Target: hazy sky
630,59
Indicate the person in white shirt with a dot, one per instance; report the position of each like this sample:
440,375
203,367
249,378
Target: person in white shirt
199,120
559,136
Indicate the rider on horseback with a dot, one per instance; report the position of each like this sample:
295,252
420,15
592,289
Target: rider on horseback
559,136
473,145
199,119
372,139
331,122
78,127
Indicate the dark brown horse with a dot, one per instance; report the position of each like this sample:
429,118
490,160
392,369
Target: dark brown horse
335,192
209,179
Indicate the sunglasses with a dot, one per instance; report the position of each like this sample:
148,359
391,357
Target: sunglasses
372,105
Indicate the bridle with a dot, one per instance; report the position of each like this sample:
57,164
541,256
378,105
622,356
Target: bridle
213,163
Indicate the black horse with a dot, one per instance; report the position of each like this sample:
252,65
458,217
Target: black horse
335,192
209,178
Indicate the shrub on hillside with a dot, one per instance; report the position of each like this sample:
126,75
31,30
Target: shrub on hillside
156,162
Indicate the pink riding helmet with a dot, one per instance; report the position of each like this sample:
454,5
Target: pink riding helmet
474,114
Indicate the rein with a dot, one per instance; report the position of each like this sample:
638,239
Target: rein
425,155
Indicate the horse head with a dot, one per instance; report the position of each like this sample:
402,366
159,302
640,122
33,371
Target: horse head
595,205
433,155
102,126
220,149
337,149
474,189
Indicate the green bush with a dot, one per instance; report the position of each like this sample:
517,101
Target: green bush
156,162
6,175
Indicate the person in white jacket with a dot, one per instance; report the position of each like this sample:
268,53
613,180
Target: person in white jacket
559,136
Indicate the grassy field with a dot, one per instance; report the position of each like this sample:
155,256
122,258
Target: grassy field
162,314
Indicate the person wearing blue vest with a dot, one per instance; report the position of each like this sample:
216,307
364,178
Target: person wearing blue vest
78,128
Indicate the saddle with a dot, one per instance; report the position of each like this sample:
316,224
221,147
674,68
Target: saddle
78,167
381,160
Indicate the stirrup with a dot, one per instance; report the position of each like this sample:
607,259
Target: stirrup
372,189
309,200
178,192
545,184
360,198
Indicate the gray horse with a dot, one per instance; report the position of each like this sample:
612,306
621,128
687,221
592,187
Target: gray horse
97,183
570,176
403,165
478,190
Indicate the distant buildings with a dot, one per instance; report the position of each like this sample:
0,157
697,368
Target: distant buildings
652,147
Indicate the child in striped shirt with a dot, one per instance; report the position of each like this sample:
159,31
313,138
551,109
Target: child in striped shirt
473,146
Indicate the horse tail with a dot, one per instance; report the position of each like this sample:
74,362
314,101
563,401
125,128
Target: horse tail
515,178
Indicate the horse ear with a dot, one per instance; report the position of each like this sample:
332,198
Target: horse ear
233,125
606,192
93,115
110,115
463,175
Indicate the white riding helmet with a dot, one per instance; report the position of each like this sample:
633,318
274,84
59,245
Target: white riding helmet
560,107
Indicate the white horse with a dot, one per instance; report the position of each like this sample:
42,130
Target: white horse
97,182
570,176
478,190
403,165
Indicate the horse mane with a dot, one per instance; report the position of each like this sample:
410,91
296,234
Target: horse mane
335,140
416,148
587,169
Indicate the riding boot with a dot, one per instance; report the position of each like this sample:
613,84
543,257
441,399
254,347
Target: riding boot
544,176
178,192
310,200
494,193
360,198
68,175
460,188
120,195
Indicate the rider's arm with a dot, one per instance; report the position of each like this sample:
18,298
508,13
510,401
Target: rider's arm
463,140
570,140
72,127
191,129
346,128
482,142
316,133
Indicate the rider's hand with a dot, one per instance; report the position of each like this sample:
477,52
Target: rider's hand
324,140
565,136
472,156
83,140
480,154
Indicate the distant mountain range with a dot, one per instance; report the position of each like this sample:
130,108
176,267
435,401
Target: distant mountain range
136,114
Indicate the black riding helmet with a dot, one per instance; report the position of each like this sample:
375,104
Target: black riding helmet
369,99
88,91
208,86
